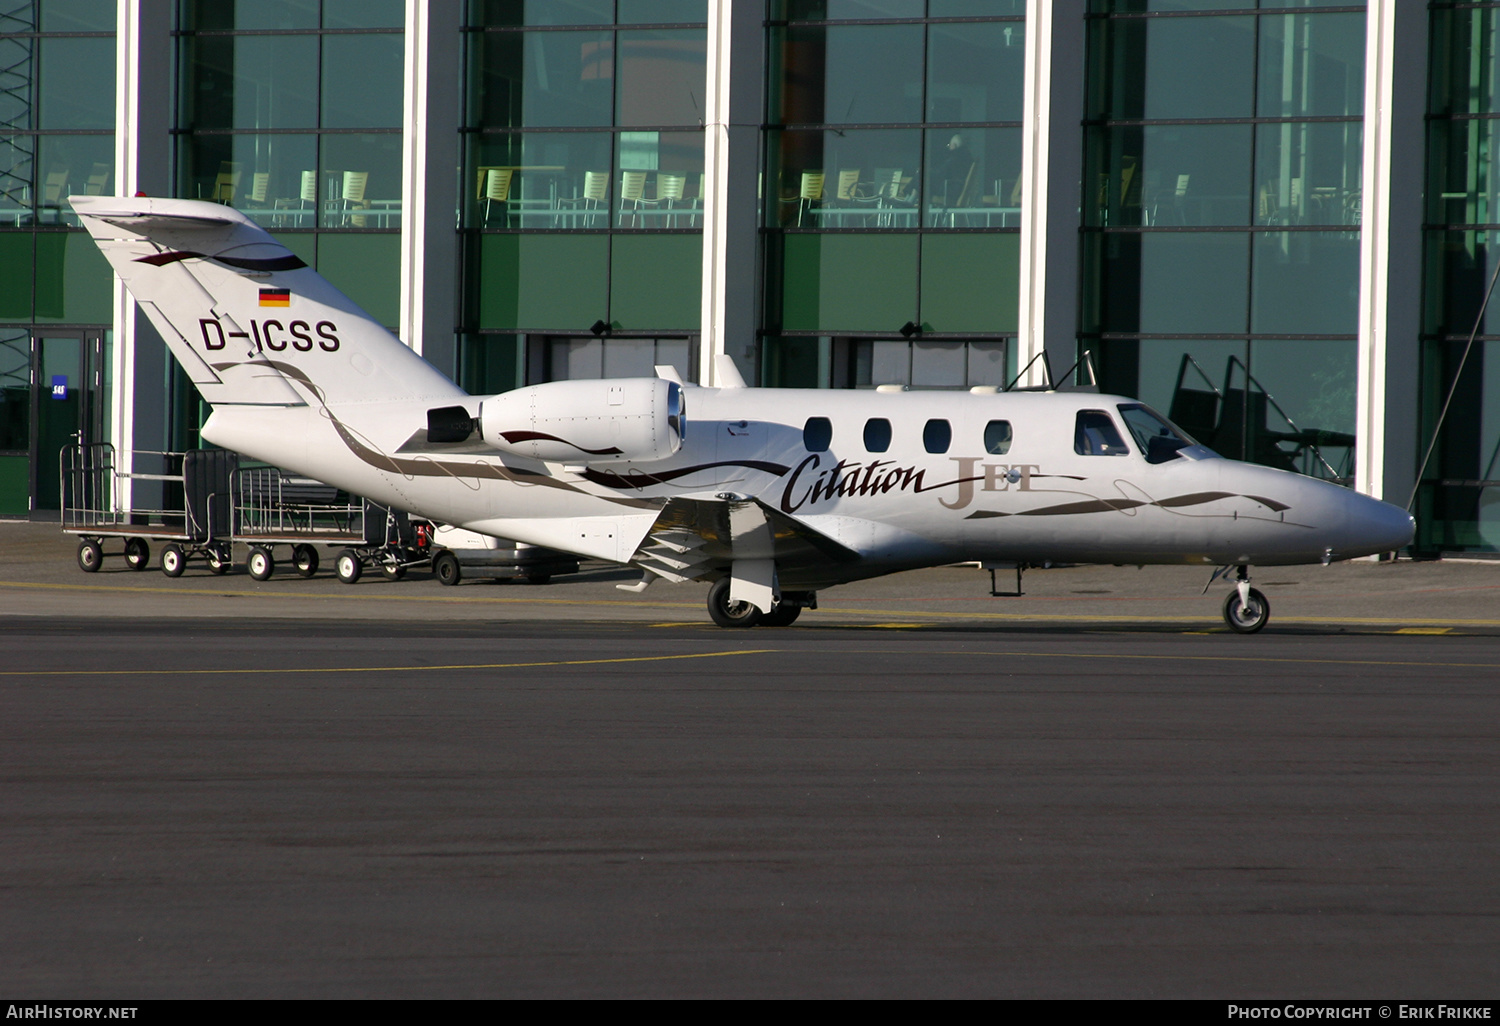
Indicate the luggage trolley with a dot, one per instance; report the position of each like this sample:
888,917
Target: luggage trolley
272,507
186,504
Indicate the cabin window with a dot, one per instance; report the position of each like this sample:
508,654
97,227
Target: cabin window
997,437
877,434
1096,435
937,436
817,434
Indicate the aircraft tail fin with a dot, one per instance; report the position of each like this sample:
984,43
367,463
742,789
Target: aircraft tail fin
247,319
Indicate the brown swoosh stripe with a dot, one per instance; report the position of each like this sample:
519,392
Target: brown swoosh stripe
531,436
1109,505
643,479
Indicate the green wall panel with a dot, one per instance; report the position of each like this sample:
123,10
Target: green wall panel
74,283
971,282
839,283
15,485
16,262
367,269
656,282
543,282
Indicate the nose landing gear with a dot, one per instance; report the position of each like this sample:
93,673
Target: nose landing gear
1246,609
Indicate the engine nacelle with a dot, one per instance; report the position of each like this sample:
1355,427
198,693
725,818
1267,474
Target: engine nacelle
612,420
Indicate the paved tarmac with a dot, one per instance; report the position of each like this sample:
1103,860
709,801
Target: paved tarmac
39,576
213,787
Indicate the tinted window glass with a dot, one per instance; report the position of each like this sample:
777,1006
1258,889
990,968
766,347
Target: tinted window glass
937,435
997,437
362,81
817,434
1155,437
1096,435
660,76
829,79
877,434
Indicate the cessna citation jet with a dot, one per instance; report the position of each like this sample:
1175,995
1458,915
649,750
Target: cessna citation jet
769,494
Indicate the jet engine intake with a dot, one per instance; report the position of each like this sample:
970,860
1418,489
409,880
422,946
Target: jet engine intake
612,420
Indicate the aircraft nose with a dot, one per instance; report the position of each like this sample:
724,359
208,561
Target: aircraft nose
1376,526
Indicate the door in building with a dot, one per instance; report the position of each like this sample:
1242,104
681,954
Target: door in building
15,422
67,407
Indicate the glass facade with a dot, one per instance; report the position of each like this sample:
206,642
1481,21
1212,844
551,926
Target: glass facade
1221,216
891,197
1218,232
57,139
290,110
1459,494
582,192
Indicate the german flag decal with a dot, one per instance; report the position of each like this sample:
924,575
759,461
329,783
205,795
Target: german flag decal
275,297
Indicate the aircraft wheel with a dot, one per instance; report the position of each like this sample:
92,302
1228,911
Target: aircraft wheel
173,562
90,556
784,615
218,562
446,569
260,564
137,553
348,566
730,614
305,559
1246,617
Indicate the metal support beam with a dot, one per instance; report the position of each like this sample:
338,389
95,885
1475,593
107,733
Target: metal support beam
429,183
143,154
1051,184
1390,287
733,90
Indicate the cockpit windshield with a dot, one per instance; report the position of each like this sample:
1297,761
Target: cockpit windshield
1156,436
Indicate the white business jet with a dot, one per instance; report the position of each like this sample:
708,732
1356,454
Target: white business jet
770,494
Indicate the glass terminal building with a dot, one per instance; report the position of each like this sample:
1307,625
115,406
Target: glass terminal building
1270,219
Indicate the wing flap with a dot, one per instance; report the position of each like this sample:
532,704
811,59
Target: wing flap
697,537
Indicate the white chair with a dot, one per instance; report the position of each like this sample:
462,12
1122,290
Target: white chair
497,183
586,205
669,192
355,183
632,191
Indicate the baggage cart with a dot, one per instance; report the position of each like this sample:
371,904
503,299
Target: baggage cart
203,505
180,498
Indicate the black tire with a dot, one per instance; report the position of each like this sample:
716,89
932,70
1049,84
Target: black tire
348,566
446,569
784,615
173,561
260,563
219,561
536,578
392,571
90,556
730,614
305,559
137,553
1246,618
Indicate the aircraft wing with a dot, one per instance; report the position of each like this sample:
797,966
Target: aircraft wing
693,536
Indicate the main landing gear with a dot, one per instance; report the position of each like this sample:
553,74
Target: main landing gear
743,614
1246,610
